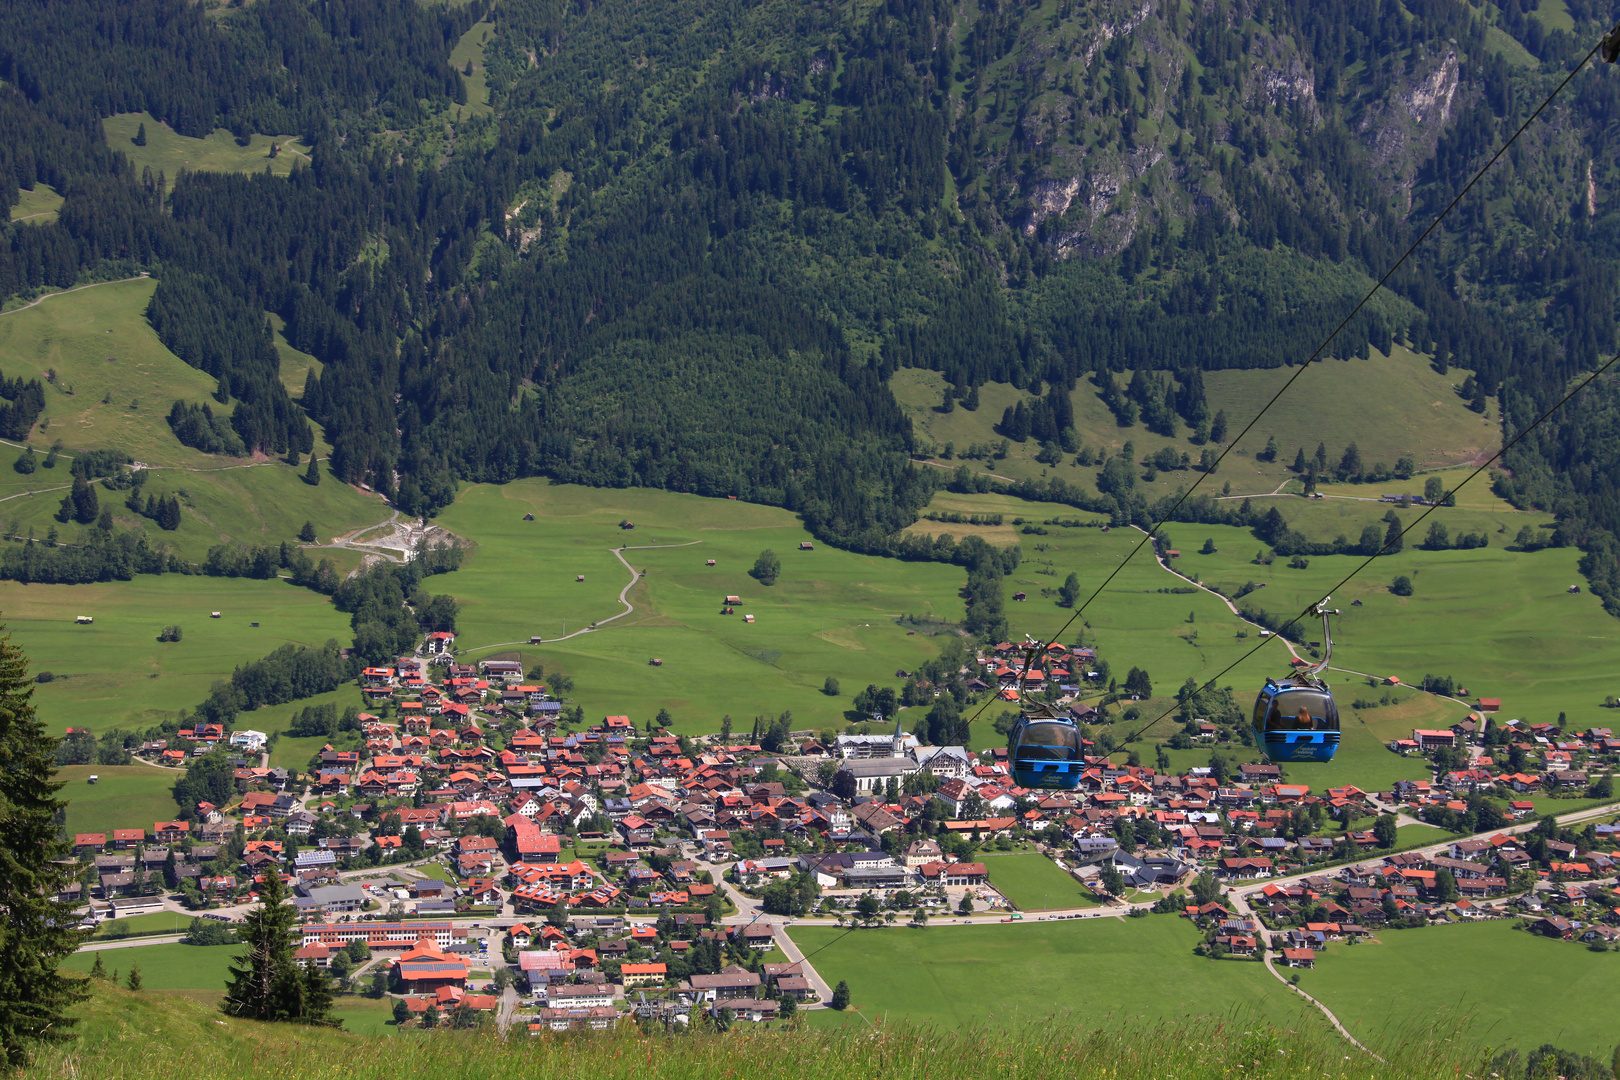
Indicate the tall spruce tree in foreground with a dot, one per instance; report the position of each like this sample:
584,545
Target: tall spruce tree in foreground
36,931
266,983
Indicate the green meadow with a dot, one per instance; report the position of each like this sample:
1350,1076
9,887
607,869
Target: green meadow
831,613
38,206
1510,988
168,152
1414,411
1135,622
1032,882
115,673
470,50
1502,623
123,796
112,388
1101,970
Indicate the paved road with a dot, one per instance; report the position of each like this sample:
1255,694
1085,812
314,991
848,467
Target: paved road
1573,818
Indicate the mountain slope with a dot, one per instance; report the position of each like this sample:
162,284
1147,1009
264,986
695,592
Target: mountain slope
691,243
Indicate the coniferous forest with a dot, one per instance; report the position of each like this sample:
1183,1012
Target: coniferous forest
686,245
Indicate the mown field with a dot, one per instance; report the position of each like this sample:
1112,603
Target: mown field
1032,882
1096,971
1414,411
1509,988
831,613
115,673
168,152
124,797
196,968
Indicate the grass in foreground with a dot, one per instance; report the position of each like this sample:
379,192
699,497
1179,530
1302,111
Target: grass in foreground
149,1036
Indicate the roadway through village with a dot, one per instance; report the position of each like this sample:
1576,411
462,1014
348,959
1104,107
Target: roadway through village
750,911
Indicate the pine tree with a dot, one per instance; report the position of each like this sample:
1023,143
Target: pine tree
1217,428
39,930
840,998
307,533
266,983
1393,541
86,507
1299,461
312,475
98,970
134,982
140,135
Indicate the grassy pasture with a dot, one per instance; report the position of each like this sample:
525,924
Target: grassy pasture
169,153
1032,882
100,345
1416,411
1499,622
125,797
1093,970
119,674
1516,989
831,613
38,206
470,49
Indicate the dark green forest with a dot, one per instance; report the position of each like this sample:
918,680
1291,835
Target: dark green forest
691,243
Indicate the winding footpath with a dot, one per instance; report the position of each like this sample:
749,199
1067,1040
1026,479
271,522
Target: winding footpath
629,608
77,288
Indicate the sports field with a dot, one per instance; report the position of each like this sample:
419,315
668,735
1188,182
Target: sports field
831,613
1095,970
169,152
166,967
123,797
154,922
115,673
1034,883
1508,987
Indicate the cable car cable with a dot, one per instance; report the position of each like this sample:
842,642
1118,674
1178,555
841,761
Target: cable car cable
1415,523
1609,44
